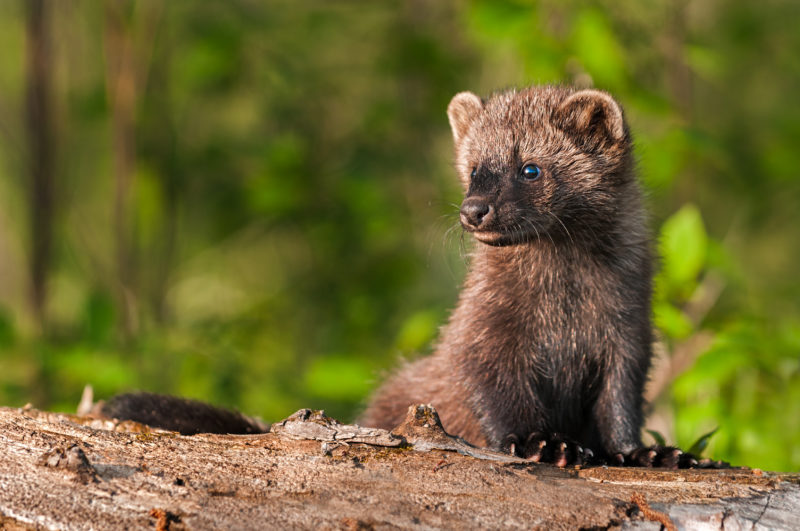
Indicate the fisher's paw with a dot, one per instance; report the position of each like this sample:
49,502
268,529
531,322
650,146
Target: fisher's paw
547,448
657,457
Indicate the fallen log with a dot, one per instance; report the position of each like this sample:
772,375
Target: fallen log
61,471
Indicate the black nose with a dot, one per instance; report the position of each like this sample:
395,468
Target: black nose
475,212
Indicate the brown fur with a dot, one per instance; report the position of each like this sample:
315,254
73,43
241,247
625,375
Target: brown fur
552,329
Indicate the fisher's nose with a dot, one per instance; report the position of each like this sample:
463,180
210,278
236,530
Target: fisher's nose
476,212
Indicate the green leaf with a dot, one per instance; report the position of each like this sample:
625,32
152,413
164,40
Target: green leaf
418,330
98,317
7,330
500,20
671,321
683,247
657,437
700,444
663,156
338,378
598,48
706,62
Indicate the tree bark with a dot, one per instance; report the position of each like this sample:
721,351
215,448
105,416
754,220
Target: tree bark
68,472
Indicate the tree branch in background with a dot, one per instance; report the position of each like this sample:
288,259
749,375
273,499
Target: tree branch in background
125,76
669,365
679,72
41,152
121,87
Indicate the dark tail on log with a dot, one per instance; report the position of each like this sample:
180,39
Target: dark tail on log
179,414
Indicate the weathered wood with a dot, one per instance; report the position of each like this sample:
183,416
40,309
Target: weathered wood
65,472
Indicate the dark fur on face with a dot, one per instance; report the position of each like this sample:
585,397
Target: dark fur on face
552,329
578,144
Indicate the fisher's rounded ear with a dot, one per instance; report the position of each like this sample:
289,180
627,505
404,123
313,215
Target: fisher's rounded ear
463,109
593,118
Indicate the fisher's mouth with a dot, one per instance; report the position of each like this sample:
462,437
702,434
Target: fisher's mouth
479,217
497,238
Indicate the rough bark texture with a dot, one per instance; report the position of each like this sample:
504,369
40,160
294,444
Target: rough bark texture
65,472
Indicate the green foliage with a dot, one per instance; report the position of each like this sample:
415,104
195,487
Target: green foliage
599,50
699,446
682,248
657,437
291,197
7,332
748,382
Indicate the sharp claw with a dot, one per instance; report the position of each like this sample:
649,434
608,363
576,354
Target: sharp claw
550,448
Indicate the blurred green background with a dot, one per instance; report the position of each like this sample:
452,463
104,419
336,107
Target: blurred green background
249,202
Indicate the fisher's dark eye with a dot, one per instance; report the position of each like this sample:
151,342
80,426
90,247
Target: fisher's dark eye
473,173
531,172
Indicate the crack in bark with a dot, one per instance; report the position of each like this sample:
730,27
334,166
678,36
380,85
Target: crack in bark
763,510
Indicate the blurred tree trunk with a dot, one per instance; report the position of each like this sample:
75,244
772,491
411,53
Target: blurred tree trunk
122,92
129,35
680,74
41,152
169,170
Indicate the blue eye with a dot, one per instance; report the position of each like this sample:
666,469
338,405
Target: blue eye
531,172
473,173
